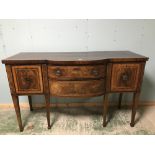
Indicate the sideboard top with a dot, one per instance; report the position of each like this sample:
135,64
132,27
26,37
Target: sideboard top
73,57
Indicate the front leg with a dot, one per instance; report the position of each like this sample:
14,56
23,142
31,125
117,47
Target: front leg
17,110
134,108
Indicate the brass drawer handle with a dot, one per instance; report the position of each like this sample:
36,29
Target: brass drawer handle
58,72
94,72
125,77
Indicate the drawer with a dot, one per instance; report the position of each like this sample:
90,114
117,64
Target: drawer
125,77
77,88
62,72
27,79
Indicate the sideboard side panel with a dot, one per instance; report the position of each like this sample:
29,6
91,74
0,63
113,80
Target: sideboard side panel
141,75
10,79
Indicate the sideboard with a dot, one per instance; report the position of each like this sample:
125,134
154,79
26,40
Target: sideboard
75,74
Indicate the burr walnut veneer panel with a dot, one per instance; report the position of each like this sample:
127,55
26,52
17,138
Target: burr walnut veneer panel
77,88
27,79
125,77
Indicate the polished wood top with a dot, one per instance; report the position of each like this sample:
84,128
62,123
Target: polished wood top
60,58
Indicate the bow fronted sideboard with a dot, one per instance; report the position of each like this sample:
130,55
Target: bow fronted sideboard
75,74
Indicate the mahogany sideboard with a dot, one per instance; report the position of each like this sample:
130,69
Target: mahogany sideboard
75,74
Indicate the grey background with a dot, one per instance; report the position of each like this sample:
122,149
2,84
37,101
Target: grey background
78,35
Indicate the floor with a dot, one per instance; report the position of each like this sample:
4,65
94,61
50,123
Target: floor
79,121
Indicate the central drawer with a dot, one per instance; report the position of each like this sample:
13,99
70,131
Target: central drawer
76,72
77,88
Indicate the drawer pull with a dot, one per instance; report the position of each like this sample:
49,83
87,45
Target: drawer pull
125,77
94,72
58,72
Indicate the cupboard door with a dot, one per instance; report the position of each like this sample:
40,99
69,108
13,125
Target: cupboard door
28,79
125,77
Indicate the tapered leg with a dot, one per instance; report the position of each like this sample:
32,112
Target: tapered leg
105,109
47,98
120,100
17,110
30,103
134,108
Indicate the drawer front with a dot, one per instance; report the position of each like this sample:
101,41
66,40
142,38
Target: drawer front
125,77
27,79
77,88
63,72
